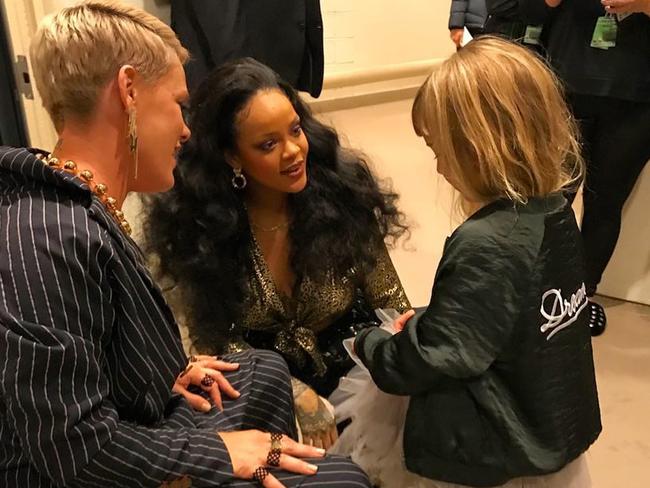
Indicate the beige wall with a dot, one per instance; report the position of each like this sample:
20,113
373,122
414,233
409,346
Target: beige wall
384,132
363,34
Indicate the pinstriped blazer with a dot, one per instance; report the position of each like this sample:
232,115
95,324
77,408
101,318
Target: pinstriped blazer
89,349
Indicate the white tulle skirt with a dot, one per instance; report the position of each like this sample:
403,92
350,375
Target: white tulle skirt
374,437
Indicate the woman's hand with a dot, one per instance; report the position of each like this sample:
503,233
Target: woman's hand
317,423
627,6
249,450
206,373
401,321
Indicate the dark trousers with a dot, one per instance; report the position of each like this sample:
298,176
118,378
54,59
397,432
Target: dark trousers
616,147
266,403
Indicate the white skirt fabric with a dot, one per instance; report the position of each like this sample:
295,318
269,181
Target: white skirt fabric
374,437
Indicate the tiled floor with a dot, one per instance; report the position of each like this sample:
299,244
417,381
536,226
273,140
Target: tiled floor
621,456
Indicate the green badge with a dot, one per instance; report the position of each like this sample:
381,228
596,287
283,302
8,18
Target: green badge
604,33
533,35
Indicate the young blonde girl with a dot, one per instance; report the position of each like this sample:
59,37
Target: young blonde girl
499,367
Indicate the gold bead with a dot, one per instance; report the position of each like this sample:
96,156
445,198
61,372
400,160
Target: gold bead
70,165
101,189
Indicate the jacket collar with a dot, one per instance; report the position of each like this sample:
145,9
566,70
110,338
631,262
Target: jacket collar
27,167
24,163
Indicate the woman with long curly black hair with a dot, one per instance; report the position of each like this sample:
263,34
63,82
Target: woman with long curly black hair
274,233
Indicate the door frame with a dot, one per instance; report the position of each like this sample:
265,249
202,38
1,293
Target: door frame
21,22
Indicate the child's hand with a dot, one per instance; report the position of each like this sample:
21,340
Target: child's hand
401,321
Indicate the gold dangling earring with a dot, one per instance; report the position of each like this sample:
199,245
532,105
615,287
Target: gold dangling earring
133,140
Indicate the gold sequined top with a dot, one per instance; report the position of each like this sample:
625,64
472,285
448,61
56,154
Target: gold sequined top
297,320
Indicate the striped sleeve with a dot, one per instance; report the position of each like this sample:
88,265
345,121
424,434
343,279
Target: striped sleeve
56,324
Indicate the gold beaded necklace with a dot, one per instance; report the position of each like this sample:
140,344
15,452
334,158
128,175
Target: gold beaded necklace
98,189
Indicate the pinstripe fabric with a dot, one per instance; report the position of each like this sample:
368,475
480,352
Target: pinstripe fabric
89,351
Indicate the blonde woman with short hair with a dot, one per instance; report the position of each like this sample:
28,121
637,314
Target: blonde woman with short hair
91,361
499,366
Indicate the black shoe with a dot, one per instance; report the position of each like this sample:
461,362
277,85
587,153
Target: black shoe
597,319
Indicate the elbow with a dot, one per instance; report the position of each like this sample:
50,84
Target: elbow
391,387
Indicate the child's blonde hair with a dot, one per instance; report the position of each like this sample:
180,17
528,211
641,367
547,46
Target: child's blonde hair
495,116
77,50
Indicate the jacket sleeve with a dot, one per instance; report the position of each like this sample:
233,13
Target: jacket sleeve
382,287
56,318
474,305
457,14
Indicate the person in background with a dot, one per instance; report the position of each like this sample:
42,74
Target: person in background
286,35
470,14
608,87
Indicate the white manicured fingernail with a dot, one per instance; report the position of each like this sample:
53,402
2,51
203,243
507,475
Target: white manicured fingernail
320,451
313,467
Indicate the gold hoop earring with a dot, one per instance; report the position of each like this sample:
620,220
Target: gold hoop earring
133,140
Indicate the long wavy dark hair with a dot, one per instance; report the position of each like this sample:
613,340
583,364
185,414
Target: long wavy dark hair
200,230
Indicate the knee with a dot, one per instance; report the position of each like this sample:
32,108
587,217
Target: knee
269,364
263,356
274,360
338,471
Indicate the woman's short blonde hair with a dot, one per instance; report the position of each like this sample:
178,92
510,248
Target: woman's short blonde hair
77,50
495,116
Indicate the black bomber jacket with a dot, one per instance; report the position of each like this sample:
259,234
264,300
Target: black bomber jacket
499,367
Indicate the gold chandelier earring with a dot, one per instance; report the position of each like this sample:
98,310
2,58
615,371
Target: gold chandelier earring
132,138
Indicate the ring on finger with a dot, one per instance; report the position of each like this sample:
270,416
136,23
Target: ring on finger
207,381
187,370
260,473
273,457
